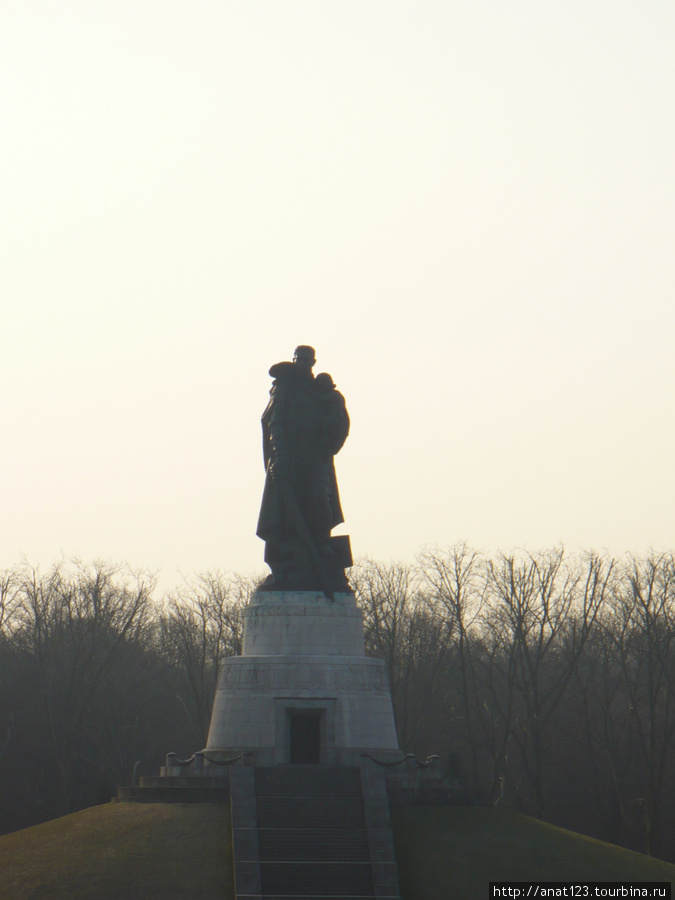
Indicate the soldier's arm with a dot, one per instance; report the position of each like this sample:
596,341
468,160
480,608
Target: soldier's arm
278,439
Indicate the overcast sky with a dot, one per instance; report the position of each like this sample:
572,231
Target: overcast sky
467,208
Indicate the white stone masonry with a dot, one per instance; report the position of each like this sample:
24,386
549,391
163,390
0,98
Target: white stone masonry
302,654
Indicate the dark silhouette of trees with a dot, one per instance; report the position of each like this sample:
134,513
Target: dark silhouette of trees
547,679
201,623
541,612
404,629
73,645
454,587
643,633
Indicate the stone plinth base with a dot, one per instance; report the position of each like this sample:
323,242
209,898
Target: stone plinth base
303,691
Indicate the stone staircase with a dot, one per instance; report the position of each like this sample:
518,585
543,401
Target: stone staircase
311,832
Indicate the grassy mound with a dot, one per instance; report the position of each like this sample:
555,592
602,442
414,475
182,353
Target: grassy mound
122,851
154,851
453,853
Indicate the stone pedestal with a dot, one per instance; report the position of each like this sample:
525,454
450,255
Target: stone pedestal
303,690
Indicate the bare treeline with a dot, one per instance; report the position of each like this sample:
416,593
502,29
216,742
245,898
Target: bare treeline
545,680
95,674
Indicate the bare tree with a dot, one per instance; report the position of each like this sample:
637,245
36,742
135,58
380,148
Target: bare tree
551,674
455,588
399,629
201,624
9,591
542,610
644,634
76,626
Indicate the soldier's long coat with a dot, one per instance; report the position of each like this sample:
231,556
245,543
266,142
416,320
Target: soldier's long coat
298,424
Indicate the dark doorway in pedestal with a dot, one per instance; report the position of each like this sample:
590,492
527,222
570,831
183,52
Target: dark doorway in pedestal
305,728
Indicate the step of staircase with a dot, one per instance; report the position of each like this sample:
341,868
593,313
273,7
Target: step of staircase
323,897
312,840
307,781
313,845
316,879
310,812
309,798
310,833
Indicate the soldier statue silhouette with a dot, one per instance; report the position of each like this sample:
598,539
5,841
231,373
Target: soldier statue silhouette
304,425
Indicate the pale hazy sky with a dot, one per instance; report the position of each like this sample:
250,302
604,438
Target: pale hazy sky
468,208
